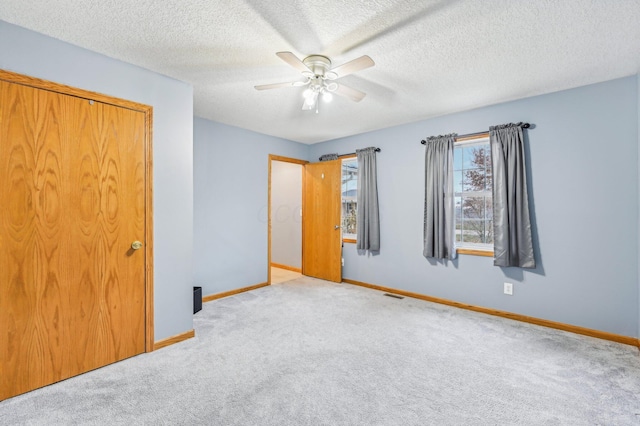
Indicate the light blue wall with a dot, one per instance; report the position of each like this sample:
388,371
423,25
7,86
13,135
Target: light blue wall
230,208
36,55
583,158
584,180
286,218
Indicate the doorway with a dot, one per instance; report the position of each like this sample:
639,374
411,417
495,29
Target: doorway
319,247
286,177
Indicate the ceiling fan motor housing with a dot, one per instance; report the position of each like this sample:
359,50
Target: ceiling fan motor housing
319,65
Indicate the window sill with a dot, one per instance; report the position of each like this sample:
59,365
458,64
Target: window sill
474,252
349,240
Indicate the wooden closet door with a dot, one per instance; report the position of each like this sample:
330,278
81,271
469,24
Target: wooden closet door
72,194
322,238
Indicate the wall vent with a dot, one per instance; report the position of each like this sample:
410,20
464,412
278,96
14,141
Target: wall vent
395,296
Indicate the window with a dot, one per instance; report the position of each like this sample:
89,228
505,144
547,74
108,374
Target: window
349,193
473,202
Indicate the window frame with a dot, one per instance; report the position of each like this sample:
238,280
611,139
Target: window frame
474,249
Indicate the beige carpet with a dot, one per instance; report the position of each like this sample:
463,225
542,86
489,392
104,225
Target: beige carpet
310,352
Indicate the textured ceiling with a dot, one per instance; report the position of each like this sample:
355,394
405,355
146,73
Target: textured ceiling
432,57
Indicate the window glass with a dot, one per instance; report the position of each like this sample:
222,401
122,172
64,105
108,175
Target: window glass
349,192
473,194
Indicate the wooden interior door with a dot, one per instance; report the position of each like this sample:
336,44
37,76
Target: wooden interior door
72,290
322,237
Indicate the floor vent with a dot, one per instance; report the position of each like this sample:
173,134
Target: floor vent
395,296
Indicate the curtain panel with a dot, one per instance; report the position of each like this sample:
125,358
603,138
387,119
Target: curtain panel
329,157
513,244
438,199
367,214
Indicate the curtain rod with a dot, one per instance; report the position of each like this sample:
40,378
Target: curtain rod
351,153
470,135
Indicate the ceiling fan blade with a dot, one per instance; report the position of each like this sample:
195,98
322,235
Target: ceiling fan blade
293,60
356,65
276,85
349,93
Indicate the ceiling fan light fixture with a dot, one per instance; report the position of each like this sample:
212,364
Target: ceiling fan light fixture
327,96
310,100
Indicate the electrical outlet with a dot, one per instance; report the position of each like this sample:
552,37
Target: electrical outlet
343,261
508,289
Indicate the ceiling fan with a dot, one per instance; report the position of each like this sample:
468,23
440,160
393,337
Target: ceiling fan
319,78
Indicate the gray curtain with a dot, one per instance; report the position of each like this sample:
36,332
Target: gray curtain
438,198
367,218
328,157
511,223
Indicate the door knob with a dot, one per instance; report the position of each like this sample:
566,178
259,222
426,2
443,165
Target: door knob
136,245
336,227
